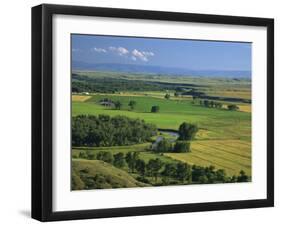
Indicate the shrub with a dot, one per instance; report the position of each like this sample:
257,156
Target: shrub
91,155
140,167
132,104
242,177
182,146
153,167
119,160
183,172
83,155
105,156
167,96
187,131
155,109
143,180
232,107
131,159
163,146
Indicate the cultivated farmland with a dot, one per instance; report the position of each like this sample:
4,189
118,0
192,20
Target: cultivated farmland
223,139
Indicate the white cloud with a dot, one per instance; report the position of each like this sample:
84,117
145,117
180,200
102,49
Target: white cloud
119,50
133,55
147,53
112,48
122,51
139,55
99,50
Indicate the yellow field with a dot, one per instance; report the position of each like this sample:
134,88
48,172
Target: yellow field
245,108
231,155
80,98
242,107
155,94
234,94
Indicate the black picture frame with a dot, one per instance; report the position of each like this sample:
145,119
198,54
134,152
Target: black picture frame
42,111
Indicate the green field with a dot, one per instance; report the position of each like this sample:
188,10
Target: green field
223,139
214,123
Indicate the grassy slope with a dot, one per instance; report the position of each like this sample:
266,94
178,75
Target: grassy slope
80,98
118,178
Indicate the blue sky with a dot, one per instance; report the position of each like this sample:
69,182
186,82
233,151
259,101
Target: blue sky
190,54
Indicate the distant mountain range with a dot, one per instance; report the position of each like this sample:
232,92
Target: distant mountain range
134,68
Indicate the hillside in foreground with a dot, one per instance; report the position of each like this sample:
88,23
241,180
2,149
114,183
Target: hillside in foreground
96,174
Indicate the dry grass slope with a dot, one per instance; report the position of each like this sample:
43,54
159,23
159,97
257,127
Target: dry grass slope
80,98
118,178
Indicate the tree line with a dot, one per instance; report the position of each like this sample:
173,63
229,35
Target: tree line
103,84
105,131
170,173
166,146
210,104
118,105
81,83
214,104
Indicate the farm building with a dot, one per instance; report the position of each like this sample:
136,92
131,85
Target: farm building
107,103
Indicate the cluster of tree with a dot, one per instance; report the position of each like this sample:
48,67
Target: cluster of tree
182,146
232,107
165,146
167,96
186,133
185,173
117,160
98,181
226,99
117,104
132,104
85,180
82,83
154,168
105,131
214,104
210,104
162,146
174,172
103,84
171,173
155,109
193,92
204,175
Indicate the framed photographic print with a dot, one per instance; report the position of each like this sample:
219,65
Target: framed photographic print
146,112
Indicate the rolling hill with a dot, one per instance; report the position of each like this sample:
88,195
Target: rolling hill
140,68
96,174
